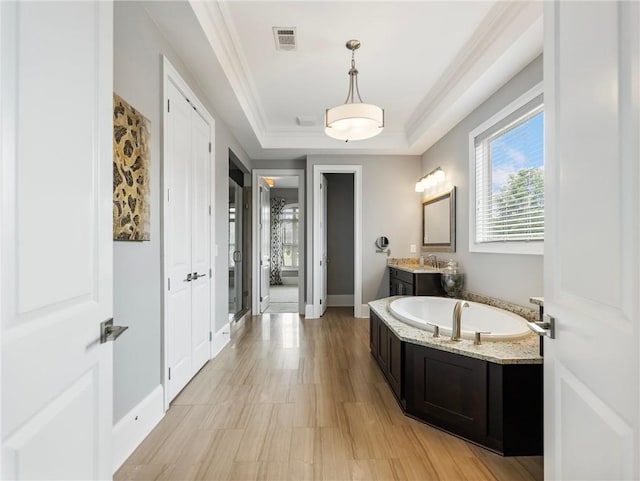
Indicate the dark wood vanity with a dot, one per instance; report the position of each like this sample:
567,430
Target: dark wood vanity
405,283
498,406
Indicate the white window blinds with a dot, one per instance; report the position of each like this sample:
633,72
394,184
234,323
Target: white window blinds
509,170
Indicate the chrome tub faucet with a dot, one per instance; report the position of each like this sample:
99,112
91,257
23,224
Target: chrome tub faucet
457,319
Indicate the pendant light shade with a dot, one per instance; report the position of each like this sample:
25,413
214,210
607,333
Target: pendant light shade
354,120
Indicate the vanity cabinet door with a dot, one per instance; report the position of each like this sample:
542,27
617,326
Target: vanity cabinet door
383,347
395,367
373,334
447,390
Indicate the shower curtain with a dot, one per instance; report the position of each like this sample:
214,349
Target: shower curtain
275,276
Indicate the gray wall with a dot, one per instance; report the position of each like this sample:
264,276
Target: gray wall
510,277
340,234
138,46
391,208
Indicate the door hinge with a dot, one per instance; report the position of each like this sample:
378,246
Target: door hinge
169,374
260,298
168,194
261,189
169,283
209,210
168,105
210,273
320,301
210,336
209,147
320,186
320,262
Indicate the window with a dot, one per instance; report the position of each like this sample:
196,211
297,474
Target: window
290,248
507,178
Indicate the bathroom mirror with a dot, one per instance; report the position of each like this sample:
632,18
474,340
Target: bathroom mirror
439,222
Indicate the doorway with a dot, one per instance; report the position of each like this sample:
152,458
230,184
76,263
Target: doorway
278,206
317,263
238,268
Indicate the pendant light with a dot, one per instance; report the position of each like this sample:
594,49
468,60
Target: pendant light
354,120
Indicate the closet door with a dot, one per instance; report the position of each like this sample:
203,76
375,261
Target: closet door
178,198
200,249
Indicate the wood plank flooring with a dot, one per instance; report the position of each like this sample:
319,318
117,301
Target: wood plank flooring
296,399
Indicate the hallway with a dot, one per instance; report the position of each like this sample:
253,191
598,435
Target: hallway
296,399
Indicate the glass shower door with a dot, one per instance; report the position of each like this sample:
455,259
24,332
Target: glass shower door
235,249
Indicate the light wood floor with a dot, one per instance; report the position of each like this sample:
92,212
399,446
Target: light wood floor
296,399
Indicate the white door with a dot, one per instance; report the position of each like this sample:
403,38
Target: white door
592,245
56,243
178,214
200,248
323,237
265,243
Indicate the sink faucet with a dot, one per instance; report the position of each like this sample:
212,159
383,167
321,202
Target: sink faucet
457,318
433,260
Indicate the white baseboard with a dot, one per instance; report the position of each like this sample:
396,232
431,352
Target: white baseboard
220,339
136,425
339,300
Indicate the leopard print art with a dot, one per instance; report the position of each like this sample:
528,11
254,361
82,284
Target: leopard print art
130,172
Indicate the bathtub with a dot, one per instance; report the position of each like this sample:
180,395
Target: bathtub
420,311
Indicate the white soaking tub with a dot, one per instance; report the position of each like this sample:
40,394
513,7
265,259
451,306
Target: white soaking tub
421,311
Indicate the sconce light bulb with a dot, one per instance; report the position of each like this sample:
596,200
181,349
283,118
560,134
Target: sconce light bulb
439,175
419,187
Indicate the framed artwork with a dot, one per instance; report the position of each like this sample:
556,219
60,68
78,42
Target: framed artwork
130,173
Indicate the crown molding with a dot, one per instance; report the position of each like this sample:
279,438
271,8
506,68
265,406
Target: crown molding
497,27
502,26
216,23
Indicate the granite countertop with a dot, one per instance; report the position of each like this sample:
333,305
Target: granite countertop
417,269
523,351
412,265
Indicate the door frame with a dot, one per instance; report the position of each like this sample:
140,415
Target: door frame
315,275
255,202
170,74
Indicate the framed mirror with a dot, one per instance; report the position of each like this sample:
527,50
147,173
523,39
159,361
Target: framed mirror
439,222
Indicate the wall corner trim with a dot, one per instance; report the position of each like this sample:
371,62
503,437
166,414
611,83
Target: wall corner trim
220,339
309,311
136,425
363,312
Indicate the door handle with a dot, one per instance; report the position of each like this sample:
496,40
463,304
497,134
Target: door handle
197,276
546,327
109,332
188,279
237,256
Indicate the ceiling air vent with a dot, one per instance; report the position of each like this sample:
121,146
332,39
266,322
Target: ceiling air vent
285,38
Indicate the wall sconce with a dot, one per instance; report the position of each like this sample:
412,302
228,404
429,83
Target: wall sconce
430,180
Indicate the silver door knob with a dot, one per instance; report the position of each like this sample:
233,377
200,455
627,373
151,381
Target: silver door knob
109,332
188,279
197,276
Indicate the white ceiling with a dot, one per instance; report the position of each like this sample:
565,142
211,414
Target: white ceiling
427,63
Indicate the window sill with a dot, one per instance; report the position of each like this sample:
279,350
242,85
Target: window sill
535,248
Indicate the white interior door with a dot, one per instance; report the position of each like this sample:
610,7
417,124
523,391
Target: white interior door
56,239
592,245
178,244
200,243
265,244
323,237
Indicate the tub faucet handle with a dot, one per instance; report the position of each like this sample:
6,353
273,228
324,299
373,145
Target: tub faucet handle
477,340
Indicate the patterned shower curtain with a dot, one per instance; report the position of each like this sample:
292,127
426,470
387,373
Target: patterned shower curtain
277,206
